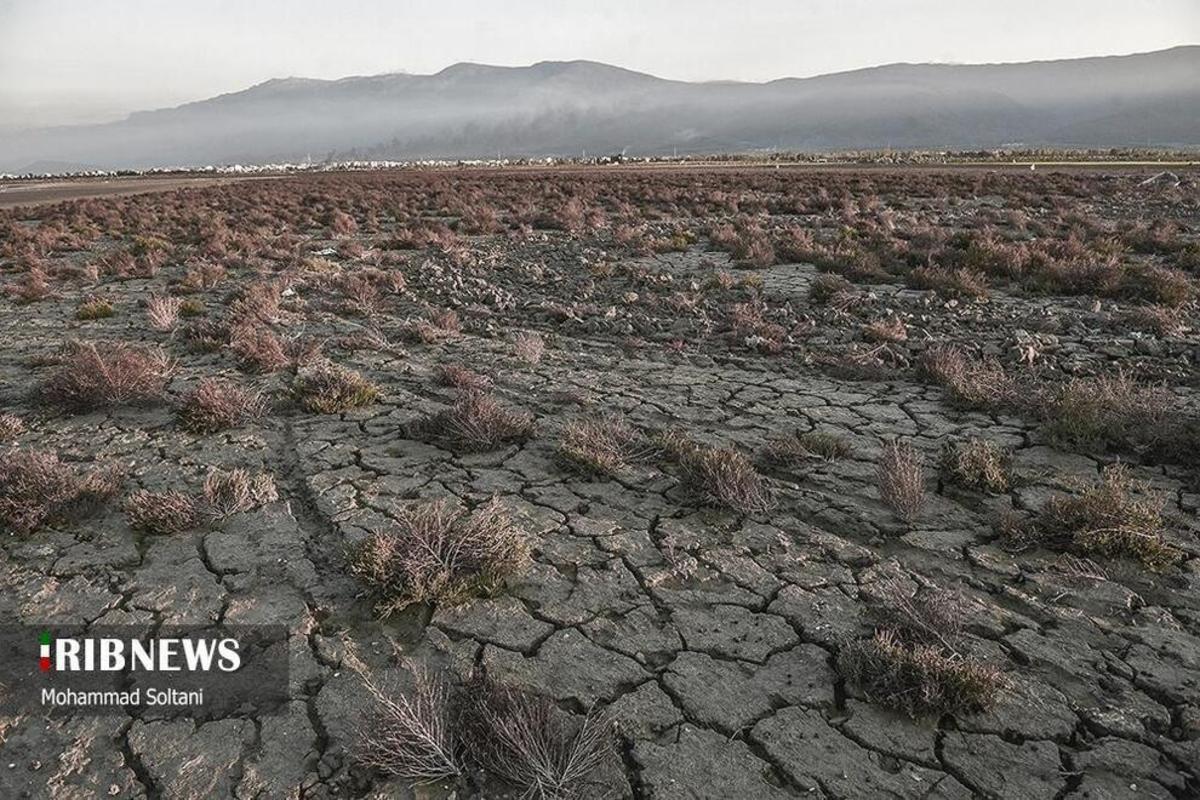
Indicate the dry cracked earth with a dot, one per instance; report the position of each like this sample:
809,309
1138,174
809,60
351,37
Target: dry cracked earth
708,637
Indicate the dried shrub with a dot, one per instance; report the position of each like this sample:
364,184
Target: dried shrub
950,282
602,446
258,349
529,348
1160,320
414,734
328,388
527,741
830,289
97,375
901,477
460,377
783,451
215,405
162,312
977,464
36,488
94,308
721,475
206,335
238,490
11,426
437,552
918,679
1159,285
1107,411
31,288
162,512
916,662
971,383
1118,516
891,329
476,422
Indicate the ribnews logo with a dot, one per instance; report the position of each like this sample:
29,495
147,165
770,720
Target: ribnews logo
213,671
111,654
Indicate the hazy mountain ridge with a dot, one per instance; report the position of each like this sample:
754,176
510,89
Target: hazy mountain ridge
561,108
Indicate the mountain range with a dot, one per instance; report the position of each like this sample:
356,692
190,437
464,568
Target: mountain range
563,108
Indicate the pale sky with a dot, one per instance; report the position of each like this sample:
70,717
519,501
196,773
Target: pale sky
95,60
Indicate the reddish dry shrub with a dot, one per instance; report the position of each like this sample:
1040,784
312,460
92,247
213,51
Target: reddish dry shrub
36,488
162,512
722,475
258,348
412,734
891,329
11,426
162,312
919,679
462,378
437,552
342,224
786,450
477,422
1108,411
215,405
901,477
971,383
97,375
603,446
237,490
259,302
950,282
916,661
1118,516
1160,320
527,741
529,347
31,288
832,290
328,388
977,464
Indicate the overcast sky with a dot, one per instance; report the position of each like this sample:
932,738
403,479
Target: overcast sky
90,60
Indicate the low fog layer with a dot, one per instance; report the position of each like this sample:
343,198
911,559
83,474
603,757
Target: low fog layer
564,108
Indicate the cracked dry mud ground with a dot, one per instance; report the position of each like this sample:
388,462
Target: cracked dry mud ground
710,636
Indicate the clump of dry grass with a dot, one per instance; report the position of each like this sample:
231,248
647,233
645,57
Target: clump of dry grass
832,290
162,512
238,490
950,282
783,451
915,662
527,741
1107,411
529,348
215,405
36,488
258,348
437,325
602,446
1160,320
1118,516
11,426
971,383
328,388
890,329
414,734
918,679
437,552
901,476
977,464
96,375
476,422
94,307
462,378
162,312
720,474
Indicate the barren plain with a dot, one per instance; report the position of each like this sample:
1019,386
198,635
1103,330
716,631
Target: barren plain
620,483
